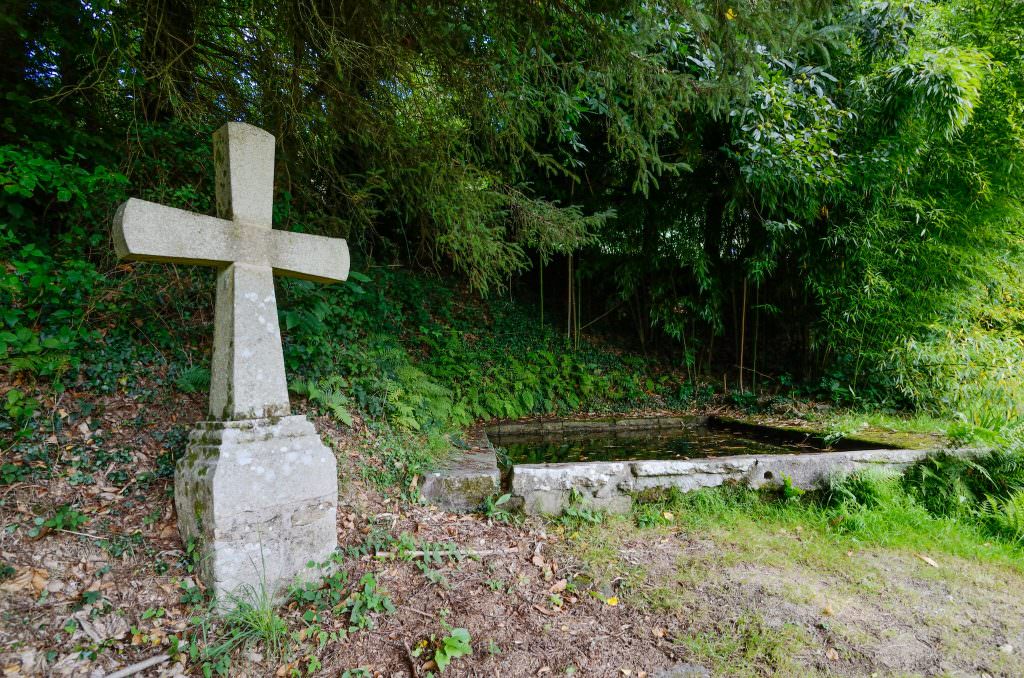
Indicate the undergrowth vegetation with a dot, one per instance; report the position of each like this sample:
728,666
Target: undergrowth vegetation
409,354
413,352
952,502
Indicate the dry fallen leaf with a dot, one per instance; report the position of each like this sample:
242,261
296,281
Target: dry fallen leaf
832,655
26,578
927,560
21,579
558,586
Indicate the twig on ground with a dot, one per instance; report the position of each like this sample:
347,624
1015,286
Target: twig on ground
412,660
80,534
141,666
451,554
419,612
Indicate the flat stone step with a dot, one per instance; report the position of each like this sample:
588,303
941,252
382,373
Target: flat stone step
464,480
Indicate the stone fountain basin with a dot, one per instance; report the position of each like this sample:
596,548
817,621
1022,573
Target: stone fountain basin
546,489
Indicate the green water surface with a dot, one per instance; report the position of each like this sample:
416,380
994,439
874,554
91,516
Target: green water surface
629,445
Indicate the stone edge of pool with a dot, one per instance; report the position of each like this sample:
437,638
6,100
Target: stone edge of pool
469,477
609,486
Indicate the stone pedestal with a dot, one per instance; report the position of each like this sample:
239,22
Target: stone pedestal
259,497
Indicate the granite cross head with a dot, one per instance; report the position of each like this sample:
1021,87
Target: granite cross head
247,379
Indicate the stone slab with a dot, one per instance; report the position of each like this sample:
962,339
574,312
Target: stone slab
545,489
464,481
260,498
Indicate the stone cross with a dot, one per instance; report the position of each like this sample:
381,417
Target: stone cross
247,371
256,490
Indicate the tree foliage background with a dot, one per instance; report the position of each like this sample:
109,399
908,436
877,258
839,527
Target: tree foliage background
822,191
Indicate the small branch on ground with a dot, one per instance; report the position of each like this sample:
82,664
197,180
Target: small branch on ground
413,668
141,666
419,612
383,555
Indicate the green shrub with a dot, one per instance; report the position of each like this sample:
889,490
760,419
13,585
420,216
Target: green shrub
867,488
946,484
950,484
1004,472
1005,517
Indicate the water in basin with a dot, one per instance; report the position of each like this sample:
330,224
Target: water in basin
631,444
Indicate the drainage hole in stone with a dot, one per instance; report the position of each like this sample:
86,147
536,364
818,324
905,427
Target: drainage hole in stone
768,475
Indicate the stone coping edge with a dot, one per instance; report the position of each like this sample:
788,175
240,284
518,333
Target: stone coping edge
660,422
546,489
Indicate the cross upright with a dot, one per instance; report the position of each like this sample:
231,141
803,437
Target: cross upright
247,379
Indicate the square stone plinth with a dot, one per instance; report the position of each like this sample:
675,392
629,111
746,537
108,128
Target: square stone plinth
259,497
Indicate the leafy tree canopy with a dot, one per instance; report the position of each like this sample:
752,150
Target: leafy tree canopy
830,189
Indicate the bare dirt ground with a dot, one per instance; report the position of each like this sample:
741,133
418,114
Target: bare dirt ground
609,600
750,602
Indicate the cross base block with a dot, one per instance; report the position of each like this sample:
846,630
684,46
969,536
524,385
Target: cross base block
259,497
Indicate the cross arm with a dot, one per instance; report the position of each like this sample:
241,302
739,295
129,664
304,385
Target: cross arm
146,231
310,257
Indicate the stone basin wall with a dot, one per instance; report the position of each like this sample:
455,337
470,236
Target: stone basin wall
545,489
548,426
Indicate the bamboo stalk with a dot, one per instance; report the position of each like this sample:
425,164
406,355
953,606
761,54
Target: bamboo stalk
542,292
757,326
743,330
